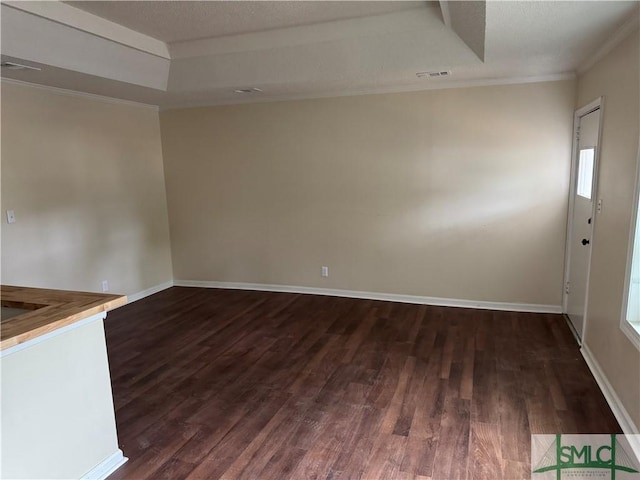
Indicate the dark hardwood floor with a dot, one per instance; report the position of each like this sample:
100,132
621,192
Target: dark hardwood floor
250,385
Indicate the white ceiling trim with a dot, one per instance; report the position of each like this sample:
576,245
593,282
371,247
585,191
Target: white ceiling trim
33,38
75,93
375,25
469,21
79,19
446,14
388,90
627,28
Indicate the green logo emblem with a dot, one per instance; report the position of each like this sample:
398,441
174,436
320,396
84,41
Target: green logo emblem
583,456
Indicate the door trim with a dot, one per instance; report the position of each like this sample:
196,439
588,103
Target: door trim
597,104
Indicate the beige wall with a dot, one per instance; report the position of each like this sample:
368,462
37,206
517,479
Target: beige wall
617,78
458,193
86,181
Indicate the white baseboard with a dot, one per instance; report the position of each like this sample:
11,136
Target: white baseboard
149,291
106,467
390,297
621,414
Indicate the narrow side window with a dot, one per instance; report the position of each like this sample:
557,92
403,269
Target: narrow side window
631,306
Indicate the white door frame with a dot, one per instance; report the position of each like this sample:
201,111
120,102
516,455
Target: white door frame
596,104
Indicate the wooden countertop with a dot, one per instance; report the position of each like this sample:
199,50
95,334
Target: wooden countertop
50,310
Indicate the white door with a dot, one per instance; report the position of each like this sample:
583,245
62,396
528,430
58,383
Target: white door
581,218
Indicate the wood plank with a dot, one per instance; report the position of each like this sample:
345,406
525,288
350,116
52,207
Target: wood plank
452,454
485,457
386,458
395,406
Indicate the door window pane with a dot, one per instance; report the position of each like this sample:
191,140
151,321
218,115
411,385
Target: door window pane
633,305
585,172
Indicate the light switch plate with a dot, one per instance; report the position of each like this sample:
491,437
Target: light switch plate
11,216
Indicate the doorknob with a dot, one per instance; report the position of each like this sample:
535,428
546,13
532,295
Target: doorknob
585,241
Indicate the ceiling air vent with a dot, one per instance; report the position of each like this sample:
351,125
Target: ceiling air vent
436,74
17,66
248,90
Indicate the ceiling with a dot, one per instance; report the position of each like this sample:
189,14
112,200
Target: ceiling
180,21
185,53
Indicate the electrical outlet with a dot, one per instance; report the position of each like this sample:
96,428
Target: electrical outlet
325,271
105,285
